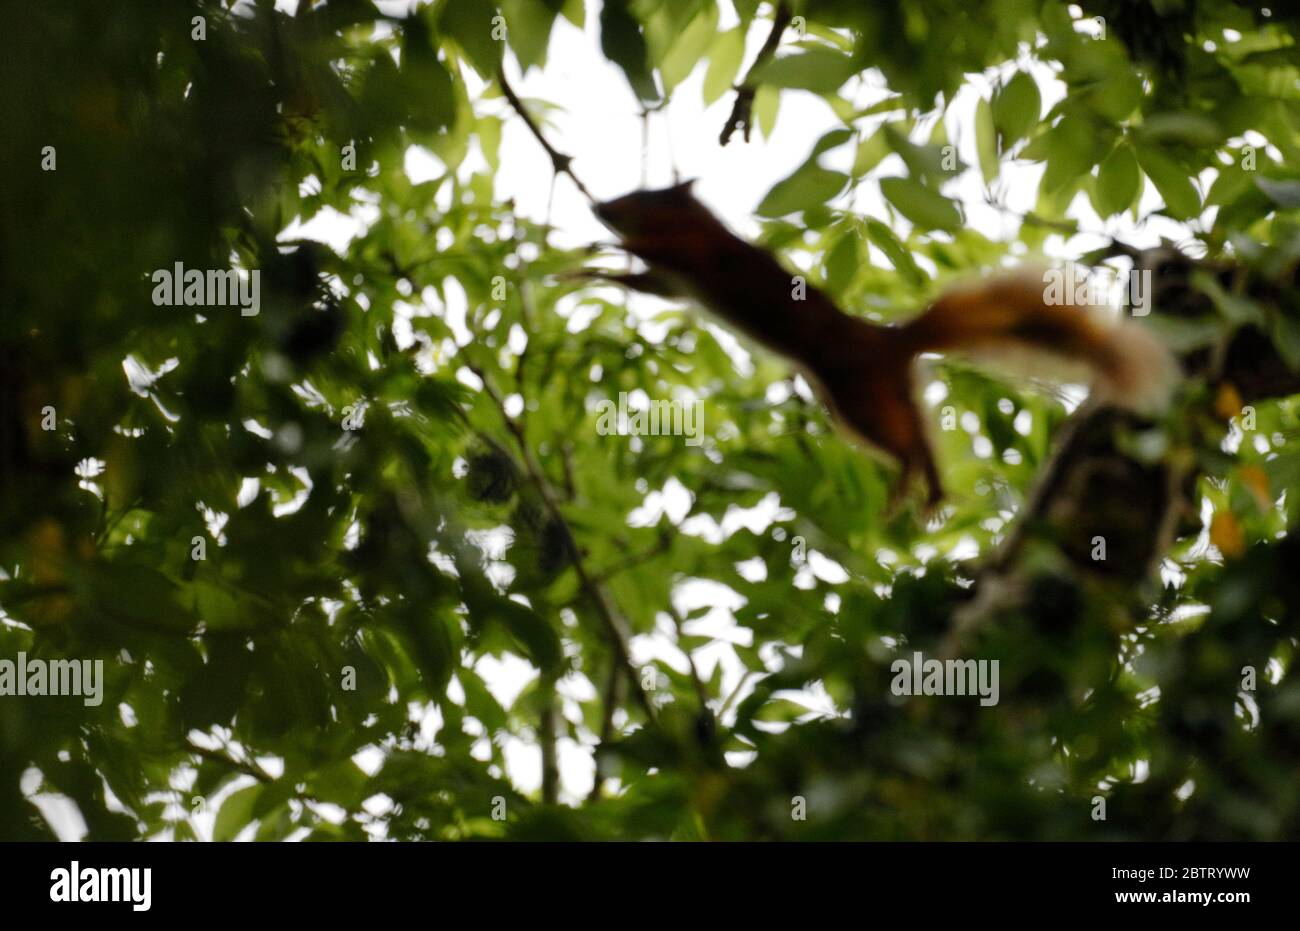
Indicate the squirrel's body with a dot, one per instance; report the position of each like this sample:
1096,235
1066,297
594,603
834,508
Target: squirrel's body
864,371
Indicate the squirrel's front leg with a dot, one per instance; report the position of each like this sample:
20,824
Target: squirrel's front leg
647,282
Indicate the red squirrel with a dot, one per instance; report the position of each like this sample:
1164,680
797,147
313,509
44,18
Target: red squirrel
863,371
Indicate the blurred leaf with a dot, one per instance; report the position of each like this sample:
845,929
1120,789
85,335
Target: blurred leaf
469,22
1118,180
624,44
686,52
236,812
927,208
1286,194
725,55
818,70
810,186
1016,108
1181,198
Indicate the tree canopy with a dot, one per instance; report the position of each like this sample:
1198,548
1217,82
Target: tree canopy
302,541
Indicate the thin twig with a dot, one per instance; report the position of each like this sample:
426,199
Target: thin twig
645,147
735,693
563,164
701,693
615,625
610,701
742,111
661,546
248,767
570,484
546,737
1067,227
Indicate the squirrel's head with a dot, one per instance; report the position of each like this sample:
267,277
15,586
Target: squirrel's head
647,213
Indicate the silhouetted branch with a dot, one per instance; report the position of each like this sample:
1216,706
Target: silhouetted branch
563,164
742,111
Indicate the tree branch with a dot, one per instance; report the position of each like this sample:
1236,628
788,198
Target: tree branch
609,702
546,738
613,621
701,693
248,768
742,111
563,164
661,546
1092,487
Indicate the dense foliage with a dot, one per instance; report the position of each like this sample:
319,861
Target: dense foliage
348,461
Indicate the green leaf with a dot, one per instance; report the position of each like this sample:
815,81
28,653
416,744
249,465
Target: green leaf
1118,180
889,104
1235,308
623,43
236,812
574,11
689,47
781,709
724,57
1286,339
923,161
819,70
537,638
528,30
481,703
275,825
1191,129
1112,91
1230,184
871,151
424,89
925,207
1016,108
219,608
724,62
809,186
767,101
842,262
1182,201
1285,194
489,140
340,782
469,22
136,594
831,140
883,238
1073,148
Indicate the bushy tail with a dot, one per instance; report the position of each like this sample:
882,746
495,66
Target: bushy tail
1007,318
